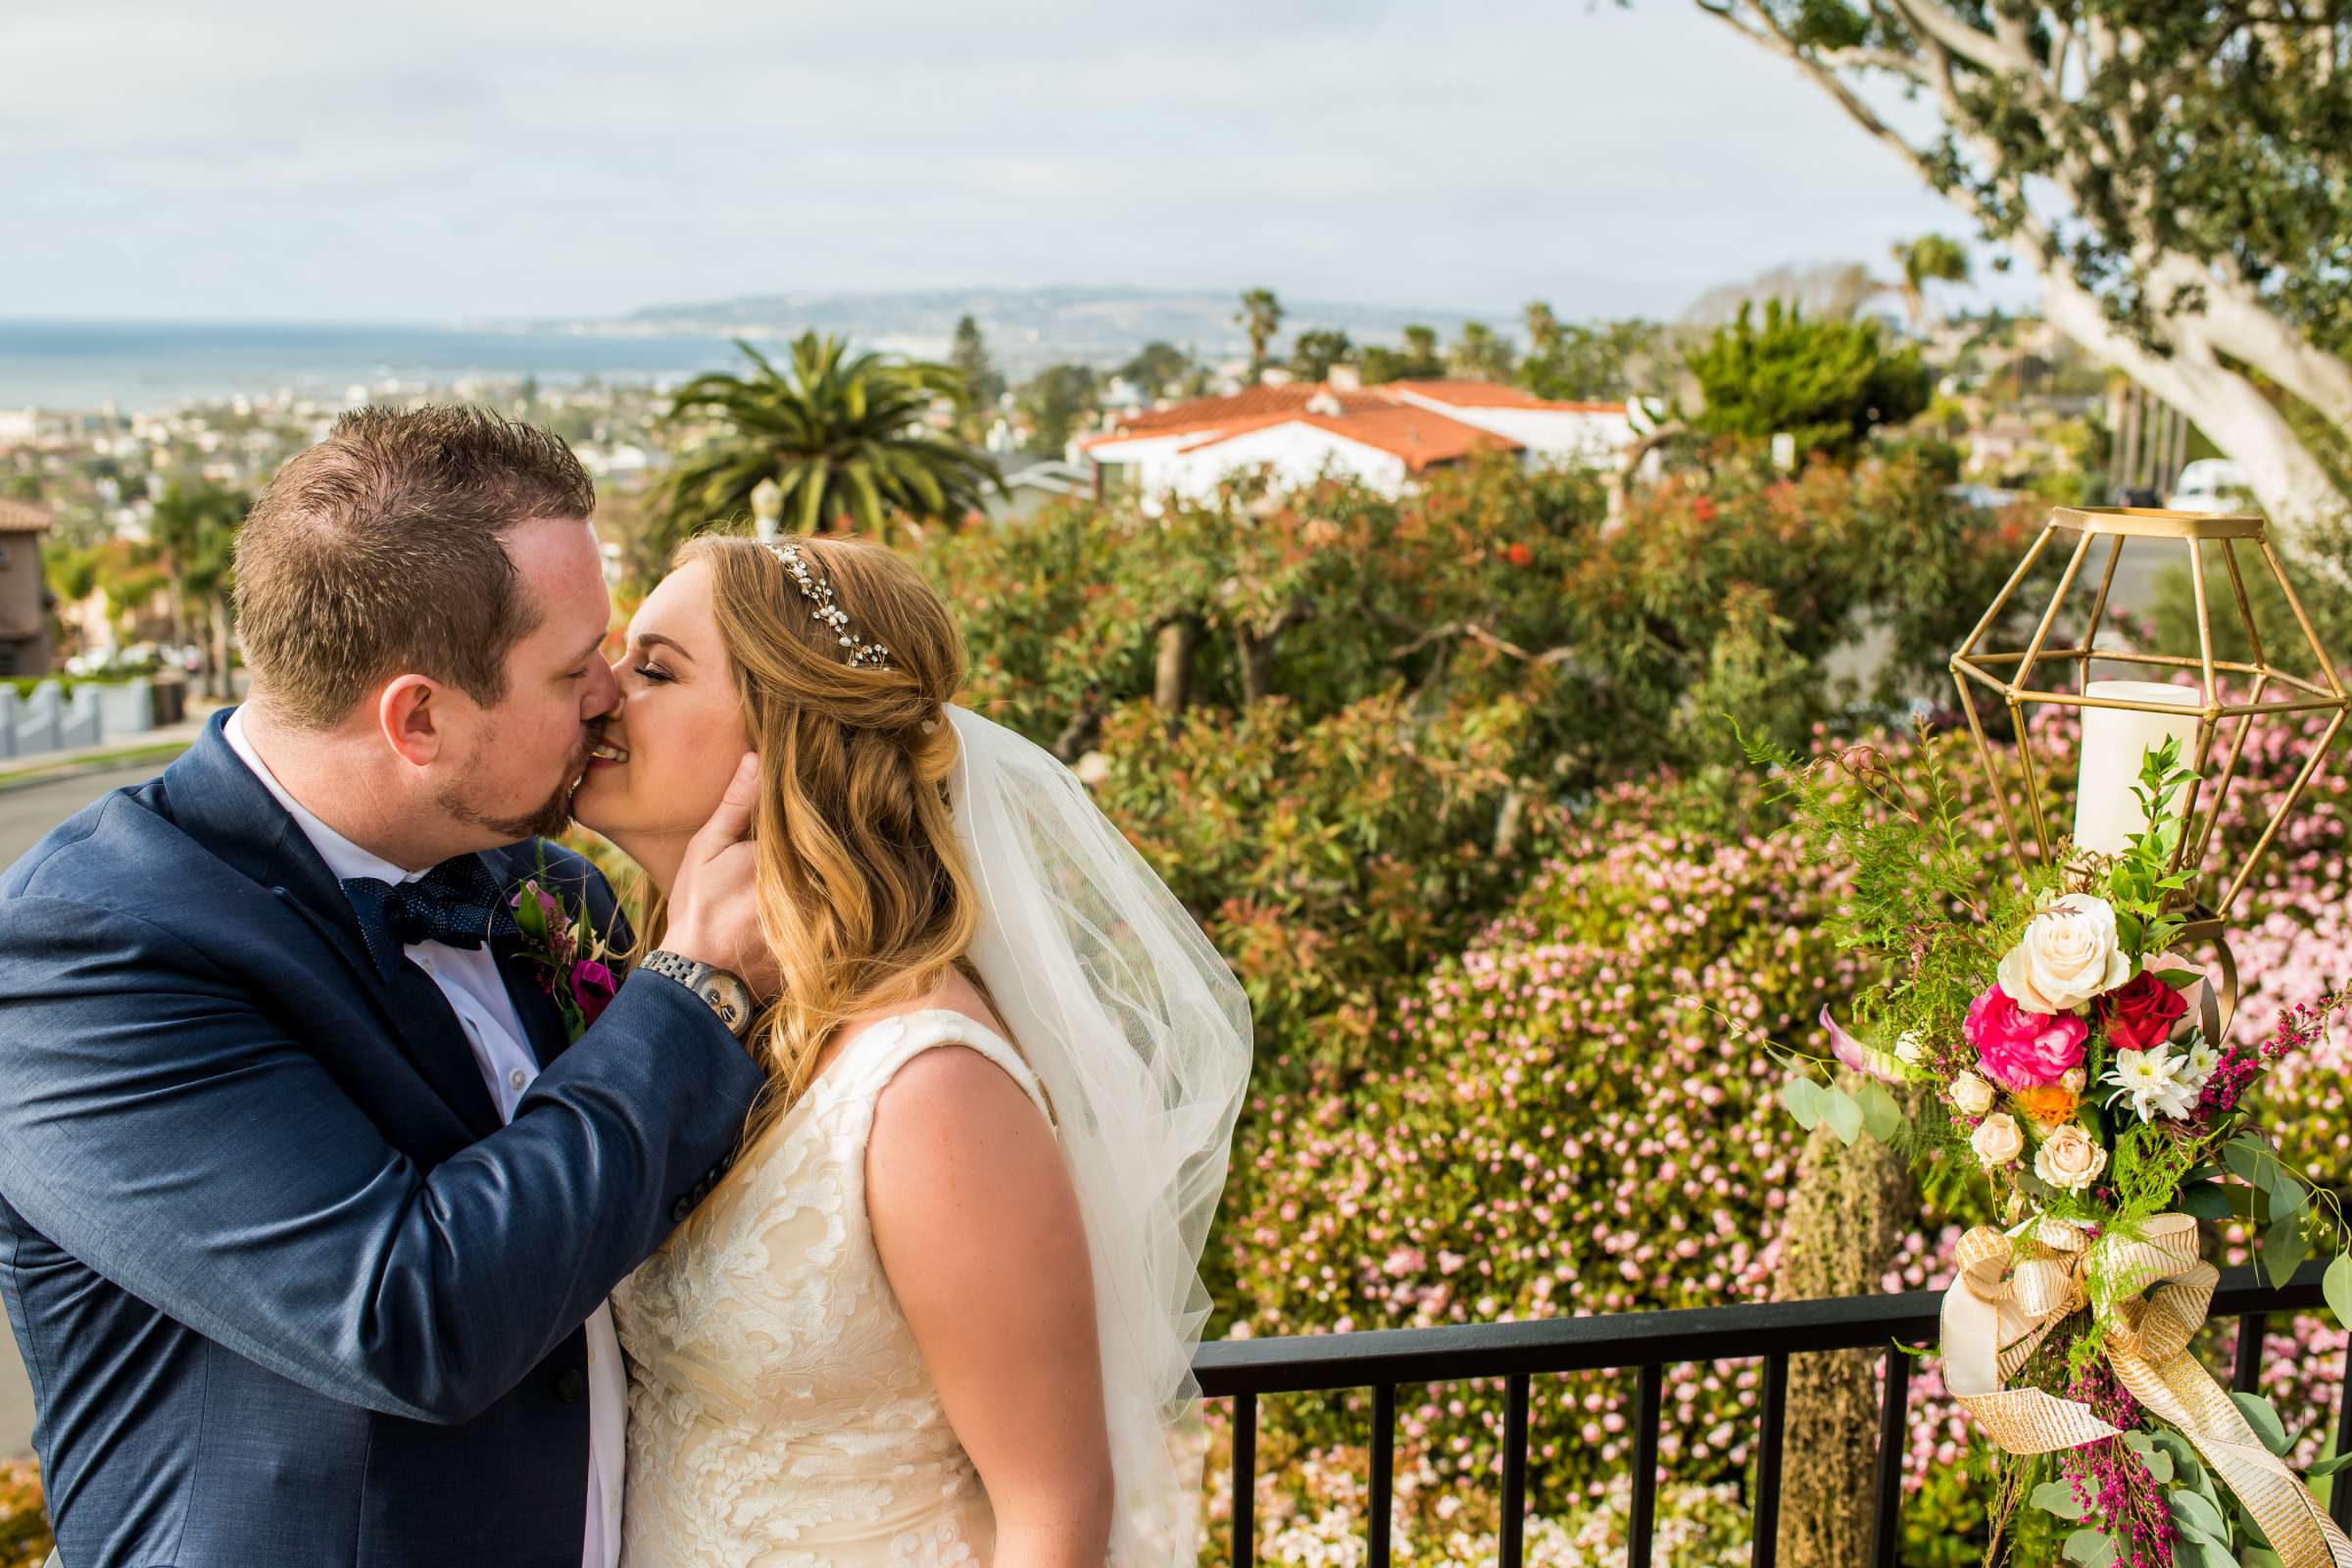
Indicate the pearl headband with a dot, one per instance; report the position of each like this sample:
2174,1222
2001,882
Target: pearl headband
822,606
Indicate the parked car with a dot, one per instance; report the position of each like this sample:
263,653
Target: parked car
2212,485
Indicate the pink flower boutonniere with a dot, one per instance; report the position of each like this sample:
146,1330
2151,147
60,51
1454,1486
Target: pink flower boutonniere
568,953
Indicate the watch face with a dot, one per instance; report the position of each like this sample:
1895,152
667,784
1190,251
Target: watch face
729,999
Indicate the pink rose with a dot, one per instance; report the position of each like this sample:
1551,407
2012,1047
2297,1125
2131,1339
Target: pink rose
2019,1049
592,986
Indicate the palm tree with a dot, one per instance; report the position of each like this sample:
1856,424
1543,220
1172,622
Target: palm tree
1479,354
1542,327
844,434
194,530
1929,258
1261,319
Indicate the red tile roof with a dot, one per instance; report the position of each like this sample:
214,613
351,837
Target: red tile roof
1382,416
1496,395
1420,436
22,516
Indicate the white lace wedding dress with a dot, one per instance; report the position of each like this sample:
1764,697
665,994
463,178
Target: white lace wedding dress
779,1415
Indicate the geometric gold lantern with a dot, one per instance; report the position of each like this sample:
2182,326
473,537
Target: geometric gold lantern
2213,716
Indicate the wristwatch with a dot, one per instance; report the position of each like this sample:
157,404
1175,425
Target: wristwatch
726,994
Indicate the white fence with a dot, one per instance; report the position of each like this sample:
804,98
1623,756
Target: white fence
49,720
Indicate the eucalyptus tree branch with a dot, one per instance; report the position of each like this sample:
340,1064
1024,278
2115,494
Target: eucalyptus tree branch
1978,47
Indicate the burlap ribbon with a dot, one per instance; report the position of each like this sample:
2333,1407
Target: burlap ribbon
2151,1292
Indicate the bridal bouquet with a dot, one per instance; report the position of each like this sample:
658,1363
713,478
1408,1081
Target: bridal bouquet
2048,1040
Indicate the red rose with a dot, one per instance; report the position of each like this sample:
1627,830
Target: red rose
1521,555
2140,1014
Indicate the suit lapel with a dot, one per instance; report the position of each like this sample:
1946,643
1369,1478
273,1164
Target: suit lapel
542,1021
215,799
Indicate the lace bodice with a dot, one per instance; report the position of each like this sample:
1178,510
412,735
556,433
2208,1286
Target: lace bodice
779,1415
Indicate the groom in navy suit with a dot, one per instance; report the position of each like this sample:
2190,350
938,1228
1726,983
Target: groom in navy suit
308,1206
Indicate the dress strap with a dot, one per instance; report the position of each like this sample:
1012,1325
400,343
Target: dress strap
885,1044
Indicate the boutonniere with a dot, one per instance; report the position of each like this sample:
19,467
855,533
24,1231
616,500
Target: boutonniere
568,953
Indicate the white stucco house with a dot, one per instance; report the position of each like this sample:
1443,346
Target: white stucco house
1384,436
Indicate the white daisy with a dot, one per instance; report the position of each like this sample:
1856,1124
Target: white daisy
2203,1057
2152,1081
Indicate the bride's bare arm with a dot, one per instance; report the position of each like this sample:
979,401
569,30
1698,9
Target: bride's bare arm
979,1231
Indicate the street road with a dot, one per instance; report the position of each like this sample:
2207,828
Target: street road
25,813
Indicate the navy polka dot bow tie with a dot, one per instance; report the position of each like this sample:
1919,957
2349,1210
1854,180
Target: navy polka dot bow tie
457,902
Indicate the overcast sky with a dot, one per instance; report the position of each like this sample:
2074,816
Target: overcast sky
431,160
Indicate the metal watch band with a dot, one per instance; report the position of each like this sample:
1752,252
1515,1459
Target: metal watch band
692,973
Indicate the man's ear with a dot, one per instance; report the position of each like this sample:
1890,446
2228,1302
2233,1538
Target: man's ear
410,712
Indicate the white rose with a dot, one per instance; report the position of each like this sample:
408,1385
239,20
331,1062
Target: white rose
2070,1158
1997,1140
2070,954
1971,1093
1907,1049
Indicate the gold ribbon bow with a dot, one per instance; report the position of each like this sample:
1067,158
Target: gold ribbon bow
2151,1292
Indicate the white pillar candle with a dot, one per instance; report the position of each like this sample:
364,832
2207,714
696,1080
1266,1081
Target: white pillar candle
2115,740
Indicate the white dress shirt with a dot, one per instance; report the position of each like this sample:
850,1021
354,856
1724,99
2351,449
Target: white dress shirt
468,977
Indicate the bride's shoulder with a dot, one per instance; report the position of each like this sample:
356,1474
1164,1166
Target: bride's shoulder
961,1138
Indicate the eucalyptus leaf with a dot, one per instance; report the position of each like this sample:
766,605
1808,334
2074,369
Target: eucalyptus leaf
2287,1198
2263,1419
2198,1518
2091,1549
1881,1117
2327,1467
2255,1161
2262,1558
1802,1097
2183,1455
1845,1116
2205,1201
2284,1250
2178,979
2336,1286
2056,1496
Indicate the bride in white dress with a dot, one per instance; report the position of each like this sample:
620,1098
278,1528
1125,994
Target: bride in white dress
942,1308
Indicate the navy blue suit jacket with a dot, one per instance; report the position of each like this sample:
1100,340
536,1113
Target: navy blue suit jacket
287,1292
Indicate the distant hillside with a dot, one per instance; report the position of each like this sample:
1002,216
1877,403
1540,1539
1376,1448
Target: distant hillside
1027,328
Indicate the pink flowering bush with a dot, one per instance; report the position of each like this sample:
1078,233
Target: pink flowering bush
1575,1126
1576,1122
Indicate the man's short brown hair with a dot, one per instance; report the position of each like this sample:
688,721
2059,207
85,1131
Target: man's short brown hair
381,551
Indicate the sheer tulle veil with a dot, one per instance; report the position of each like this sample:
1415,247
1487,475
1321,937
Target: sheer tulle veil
1141,1037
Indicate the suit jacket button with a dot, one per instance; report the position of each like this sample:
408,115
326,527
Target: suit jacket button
680,1210
571,1384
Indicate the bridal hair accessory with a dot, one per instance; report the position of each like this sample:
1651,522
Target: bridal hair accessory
822,606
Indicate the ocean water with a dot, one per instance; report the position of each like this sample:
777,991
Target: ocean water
147,365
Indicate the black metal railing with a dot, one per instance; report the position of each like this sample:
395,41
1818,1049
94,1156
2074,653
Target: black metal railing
1646,1343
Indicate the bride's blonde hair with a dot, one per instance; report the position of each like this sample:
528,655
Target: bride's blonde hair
863,890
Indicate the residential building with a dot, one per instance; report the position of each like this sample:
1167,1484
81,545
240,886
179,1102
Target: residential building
23,600
1381,436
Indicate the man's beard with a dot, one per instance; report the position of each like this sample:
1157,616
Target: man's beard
548,818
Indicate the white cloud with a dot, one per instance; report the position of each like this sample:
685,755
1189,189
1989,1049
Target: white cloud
276,159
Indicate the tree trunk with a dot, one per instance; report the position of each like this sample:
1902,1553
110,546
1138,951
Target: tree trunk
223,688
2289,484
1172,677
1847,1210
